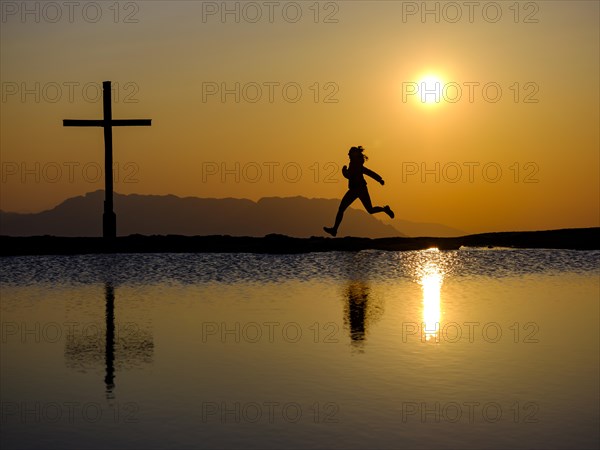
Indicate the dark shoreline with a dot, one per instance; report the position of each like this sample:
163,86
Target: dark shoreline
571,238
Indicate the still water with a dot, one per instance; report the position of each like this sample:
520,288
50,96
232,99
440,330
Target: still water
427,349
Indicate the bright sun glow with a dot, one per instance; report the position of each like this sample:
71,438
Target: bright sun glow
430,90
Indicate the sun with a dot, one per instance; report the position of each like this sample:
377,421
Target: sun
429,90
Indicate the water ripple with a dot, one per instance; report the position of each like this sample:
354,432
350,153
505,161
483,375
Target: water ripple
265,268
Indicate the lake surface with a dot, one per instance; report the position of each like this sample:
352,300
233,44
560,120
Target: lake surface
473,348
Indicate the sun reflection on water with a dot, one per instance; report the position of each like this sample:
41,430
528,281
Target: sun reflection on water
431,276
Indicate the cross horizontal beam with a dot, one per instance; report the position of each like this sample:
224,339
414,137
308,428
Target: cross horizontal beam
110,123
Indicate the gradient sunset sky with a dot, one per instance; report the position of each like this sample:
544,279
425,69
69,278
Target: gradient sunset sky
519,150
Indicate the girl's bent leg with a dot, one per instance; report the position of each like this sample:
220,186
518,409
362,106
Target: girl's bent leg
365,198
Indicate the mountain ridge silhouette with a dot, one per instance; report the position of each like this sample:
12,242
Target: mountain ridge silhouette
152,214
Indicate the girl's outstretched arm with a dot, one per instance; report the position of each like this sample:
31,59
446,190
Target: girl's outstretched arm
372,174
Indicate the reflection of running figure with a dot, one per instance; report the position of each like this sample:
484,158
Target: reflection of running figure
357,188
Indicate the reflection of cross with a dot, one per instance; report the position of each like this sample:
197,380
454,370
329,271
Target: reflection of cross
109,353
109,219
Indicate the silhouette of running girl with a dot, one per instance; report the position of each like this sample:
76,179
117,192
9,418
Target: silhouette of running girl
357,188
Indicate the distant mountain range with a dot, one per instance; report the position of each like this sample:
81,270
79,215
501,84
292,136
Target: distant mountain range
169,214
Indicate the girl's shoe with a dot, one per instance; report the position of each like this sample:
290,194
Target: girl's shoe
331,231
388,211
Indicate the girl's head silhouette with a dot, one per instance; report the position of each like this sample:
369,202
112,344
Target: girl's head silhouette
357,154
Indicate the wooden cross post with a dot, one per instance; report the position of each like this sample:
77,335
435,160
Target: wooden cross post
109,219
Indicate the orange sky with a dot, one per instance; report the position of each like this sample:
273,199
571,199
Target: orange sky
310,82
